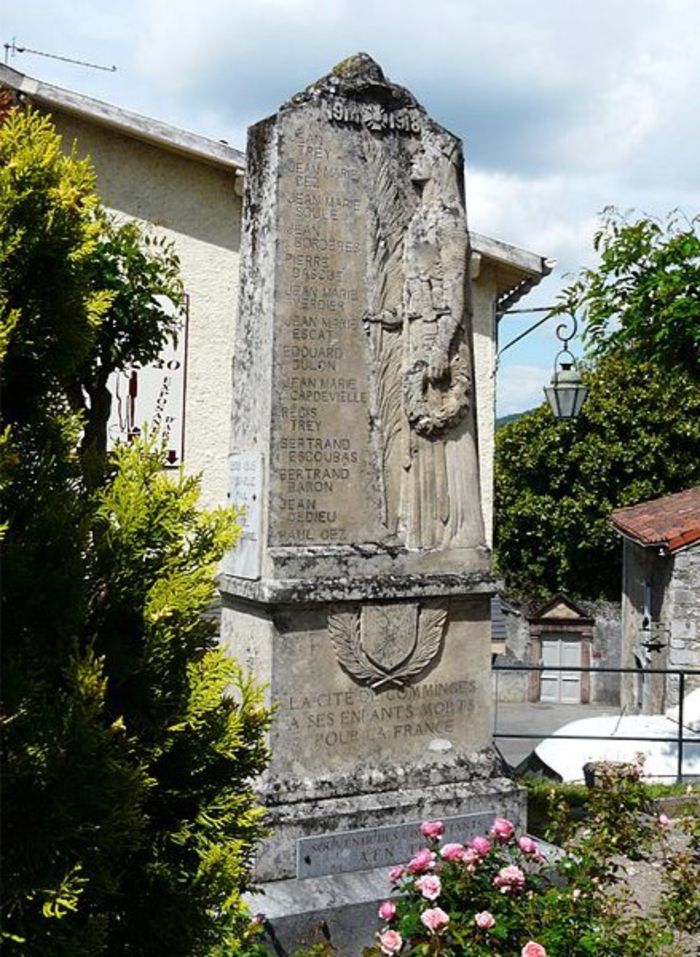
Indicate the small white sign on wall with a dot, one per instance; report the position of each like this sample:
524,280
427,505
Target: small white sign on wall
153,396
245,490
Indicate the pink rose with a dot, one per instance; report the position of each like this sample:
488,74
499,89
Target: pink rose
429,886
527,845
481,845
395,875
485,920
390,942
471,858
435,919
452,852
663,821
421,861
502,829
387,911
510,879
432,829
533,949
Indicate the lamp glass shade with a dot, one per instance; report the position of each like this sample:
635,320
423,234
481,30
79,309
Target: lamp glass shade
567,393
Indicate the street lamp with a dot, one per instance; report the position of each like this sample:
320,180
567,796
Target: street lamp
566,392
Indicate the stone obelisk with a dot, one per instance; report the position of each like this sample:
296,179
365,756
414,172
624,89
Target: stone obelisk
360,592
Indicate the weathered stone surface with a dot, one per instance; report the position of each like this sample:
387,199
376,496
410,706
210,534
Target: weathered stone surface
341,908
353,372
342,851
293,823
338,709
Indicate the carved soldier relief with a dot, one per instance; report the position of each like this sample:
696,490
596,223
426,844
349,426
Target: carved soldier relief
417,328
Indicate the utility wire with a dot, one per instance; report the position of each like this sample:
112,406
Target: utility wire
13,48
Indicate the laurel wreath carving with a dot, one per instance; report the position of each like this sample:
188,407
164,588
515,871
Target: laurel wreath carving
344,630
424,418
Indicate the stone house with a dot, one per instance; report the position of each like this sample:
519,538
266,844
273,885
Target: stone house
660,598
189,189
556,634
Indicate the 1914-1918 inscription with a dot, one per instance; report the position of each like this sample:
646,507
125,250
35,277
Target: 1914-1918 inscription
362,850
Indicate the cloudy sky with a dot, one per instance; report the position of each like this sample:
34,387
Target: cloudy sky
564,107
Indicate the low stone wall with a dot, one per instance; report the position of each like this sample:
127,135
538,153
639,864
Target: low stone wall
512,686
605,651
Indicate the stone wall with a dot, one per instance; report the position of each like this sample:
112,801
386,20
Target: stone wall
512,686
684,619
605,652
642,567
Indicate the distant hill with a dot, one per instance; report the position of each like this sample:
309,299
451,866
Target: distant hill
507,419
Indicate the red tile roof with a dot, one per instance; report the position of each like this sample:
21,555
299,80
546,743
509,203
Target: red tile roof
671,522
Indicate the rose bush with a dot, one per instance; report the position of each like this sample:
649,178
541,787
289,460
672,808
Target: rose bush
500,894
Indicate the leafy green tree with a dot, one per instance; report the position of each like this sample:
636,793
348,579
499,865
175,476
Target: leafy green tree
128,812
557,482
141,275
644,294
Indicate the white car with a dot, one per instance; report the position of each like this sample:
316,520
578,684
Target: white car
566,757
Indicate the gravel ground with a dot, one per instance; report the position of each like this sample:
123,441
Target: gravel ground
645,882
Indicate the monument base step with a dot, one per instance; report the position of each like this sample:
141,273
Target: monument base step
341,849
363,831
341,908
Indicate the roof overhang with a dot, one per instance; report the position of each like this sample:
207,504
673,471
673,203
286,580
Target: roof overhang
669,546
131,124
517,271
667,524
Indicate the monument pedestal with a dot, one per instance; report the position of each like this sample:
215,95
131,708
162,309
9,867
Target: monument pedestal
356,768
359,593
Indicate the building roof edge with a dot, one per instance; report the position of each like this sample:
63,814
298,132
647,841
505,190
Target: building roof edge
132,124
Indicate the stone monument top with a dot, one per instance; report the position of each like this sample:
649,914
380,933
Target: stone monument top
353,439
356,76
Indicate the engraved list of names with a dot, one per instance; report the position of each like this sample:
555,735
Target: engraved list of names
321,478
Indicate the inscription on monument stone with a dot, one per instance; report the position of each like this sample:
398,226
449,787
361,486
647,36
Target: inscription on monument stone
356,720
372,366
378,846
321,445
246,491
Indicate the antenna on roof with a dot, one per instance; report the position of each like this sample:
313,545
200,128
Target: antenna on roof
13,49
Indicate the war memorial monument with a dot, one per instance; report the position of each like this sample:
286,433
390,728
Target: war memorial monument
360,591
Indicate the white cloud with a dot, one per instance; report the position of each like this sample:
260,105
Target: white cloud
520,387
549,215
564,107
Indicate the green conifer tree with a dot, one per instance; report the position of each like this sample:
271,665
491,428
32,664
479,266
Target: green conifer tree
130,741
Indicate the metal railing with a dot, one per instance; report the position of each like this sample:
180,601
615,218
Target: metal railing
681,735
